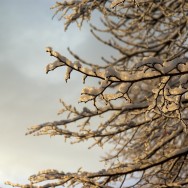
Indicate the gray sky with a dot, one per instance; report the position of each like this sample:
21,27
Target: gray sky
29,96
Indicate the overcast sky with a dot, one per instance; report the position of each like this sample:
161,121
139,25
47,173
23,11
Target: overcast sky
29,96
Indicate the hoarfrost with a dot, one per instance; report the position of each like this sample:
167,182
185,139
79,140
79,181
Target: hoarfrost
110,97
67,74
87,71
184,79
186,95
54,65
104,83
111,72
85,98
48,49
149,62
177,90
91,90
172,106
171,65
123,88
115,3
77,65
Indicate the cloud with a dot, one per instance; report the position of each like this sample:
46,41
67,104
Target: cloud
28,96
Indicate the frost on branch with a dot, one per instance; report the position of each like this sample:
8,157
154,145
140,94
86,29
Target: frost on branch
68,72
53,65
140,104
77,11
141,98
116,2
111,72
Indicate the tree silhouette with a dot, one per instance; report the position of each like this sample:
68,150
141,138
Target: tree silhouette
143,94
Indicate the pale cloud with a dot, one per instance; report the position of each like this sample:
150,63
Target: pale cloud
28,96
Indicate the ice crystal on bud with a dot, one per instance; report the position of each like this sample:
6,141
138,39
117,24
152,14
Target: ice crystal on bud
155,91
104,83
186,95
109,97
84,78
172,106
124,87
67,74
95,69
149,61
111,72
85,90
69,63
85,98
115,3
48,49
180,61
177,90
91,90
77,65
54,65
56,54
184,80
